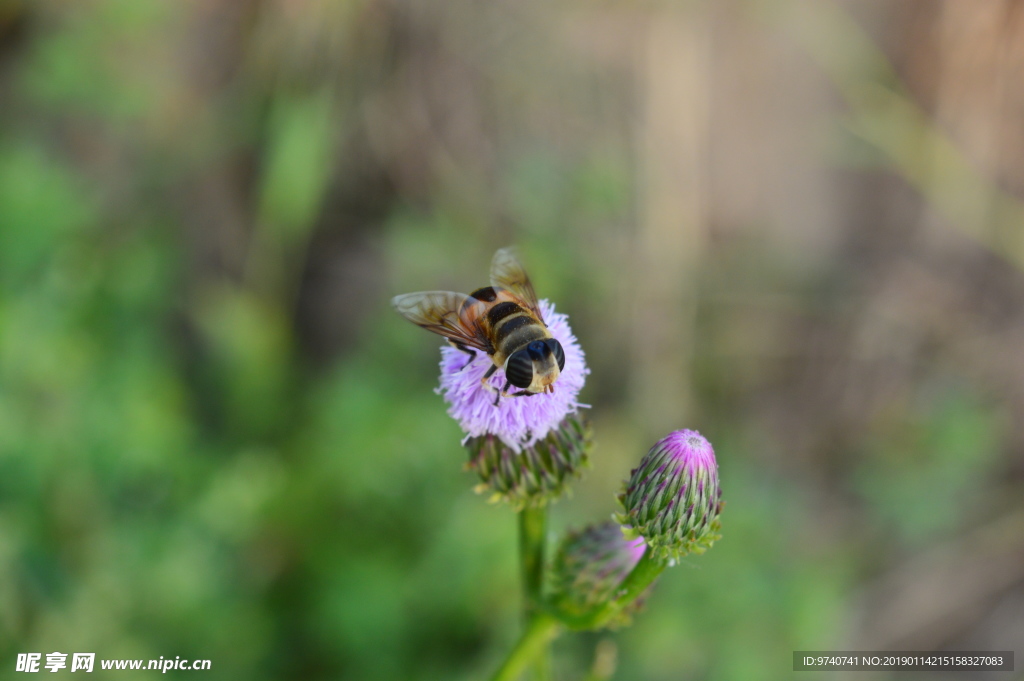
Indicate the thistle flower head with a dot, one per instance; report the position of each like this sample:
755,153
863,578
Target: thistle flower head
536,474
519,422
591,564
673,499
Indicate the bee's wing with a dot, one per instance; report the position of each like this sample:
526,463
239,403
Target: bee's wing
508,273
446,313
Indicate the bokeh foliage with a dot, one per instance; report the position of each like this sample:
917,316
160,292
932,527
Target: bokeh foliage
216,440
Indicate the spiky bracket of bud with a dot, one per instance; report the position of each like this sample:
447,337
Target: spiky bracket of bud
589,568
538,474
673,499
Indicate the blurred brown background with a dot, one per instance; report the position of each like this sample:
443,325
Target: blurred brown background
794,225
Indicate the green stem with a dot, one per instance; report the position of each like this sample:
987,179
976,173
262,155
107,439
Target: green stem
605,655
642,576
533,530
540,630
533,533
543,626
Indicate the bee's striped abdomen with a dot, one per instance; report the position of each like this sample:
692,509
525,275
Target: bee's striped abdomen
513,327
502,311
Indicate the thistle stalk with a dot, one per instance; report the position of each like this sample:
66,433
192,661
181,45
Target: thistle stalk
540,630
533,530
544,624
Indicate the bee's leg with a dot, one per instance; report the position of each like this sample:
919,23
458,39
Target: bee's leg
469,351
521,393
504,391
483,380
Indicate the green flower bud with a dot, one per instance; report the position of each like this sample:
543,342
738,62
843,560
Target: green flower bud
539,473
589,567
673,499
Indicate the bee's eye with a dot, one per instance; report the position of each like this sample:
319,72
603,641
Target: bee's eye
519,369
556,348
538,350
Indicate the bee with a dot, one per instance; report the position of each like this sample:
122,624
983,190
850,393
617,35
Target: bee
502,320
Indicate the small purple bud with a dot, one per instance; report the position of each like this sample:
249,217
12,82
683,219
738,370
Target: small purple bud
589,567
673,498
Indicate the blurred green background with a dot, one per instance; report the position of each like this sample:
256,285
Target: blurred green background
794,225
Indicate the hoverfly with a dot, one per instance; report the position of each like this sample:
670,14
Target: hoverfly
502,320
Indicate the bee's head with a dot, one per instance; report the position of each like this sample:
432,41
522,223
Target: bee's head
536,366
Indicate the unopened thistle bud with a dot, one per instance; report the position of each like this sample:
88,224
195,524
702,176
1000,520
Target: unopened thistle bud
539,472
673,499
589,567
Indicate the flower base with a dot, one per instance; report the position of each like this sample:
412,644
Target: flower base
539,473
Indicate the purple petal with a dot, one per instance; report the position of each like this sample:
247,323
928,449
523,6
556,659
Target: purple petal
519,421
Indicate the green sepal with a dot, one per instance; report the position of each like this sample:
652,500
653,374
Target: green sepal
539,473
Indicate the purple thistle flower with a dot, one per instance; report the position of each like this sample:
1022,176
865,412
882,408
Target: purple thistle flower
673,498
519,422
